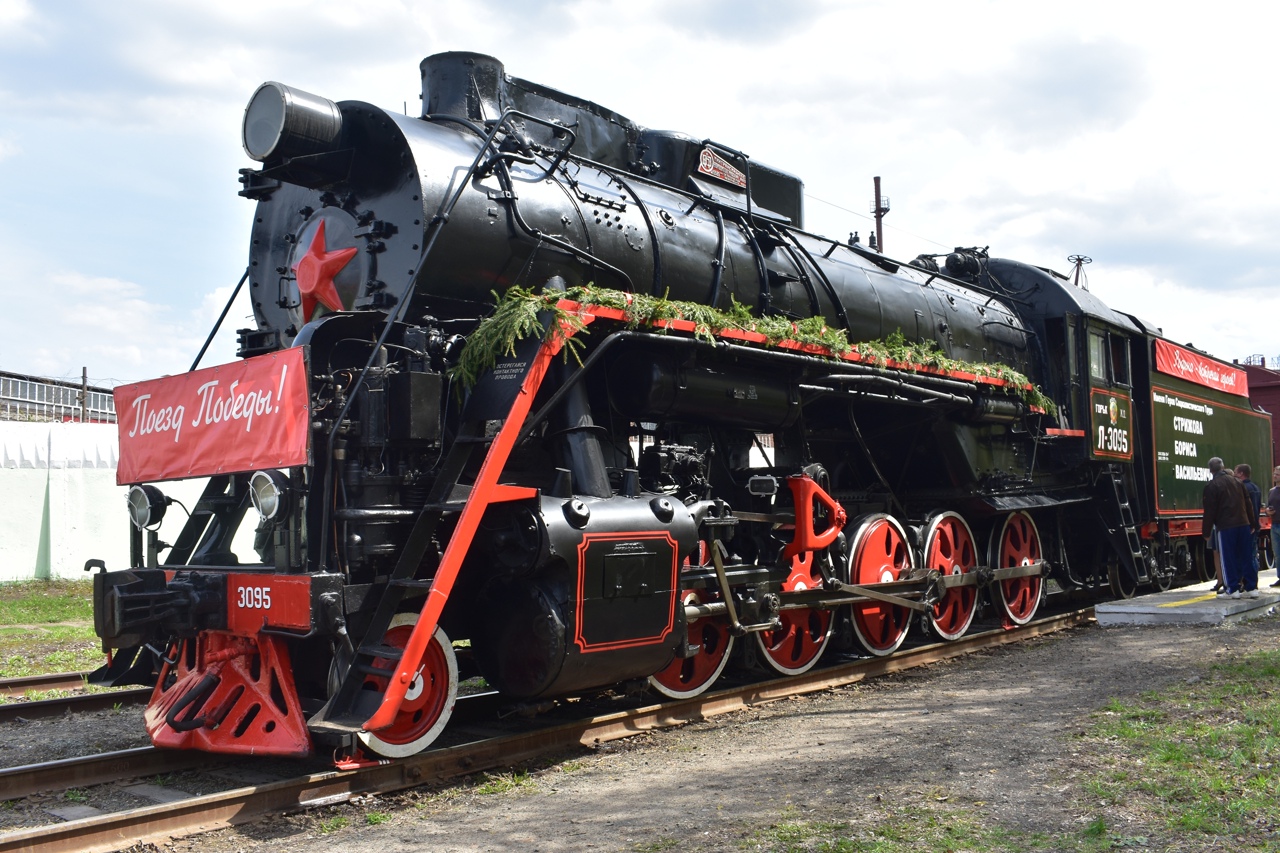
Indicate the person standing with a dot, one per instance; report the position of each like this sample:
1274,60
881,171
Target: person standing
1227,507
1273,512
1255,497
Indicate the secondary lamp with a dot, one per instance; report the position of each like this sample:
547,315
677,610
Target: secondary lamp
146,506
269,491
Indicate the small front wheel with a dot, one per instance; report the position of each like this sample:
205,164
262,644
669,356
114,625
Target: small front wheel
429,702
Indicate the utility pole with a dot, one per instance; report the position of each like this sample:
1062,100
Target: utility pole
84,395
879,207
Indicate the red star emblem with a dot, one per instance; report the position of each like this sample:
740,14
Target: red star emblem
315,271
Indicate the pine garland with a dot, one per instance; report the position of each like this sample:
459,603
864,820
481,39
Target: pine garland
520,311
896,348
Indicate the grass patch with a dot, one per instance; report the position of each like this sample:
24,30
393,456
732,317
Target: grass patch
926,828
52,648
658,846
333,824
48,627
1198,759
45,602
375,818
504,782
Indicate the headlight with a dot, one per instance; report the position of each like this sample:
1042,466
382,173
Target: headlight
282,121
146,506
270,493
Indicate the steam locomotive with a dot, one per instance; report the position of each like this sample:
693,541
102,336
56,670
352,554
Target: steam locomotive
612,499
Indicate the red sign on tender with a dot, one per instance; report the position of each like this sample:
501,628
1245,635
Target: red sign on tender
1202,370
236,417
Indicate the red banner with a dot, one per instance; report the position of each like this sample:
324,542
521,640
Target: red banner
1193,367
236,417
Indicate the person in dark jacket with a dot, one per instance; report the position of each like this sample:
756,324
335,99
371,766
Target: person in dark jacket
1227,507
1255,496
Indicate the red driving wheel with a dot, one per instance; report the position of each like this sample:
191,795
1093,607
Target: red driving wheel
796,645
949,549
685,678
880,555
1017,543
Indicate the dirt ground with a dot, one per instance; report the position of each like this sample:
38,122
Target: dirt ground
990,734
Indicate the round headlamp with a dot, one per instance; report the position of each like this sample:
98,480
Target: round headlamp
282,121
269,491
146,506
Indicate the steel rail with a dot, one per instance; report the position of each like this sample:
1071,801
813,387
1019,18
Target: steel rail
18,687
28,779
77,703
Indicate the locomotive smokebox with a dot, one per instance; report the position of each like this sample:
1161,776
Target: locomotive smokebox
281,121
468,85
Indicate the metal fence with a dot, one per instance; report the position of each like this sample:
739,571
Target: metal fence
27,398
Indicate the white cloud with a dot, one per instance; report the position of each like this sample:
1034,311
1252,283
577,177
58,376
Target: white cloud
15,14
1141,141
1188,315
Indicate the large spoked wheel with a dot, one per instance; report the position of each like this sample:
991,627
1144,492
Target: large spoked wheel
795,646
949,550
685,678
1122,585
429,702
1017,543
880,554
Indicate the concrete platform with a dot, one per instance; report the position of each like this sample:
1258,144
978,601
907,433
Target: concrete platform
1190,605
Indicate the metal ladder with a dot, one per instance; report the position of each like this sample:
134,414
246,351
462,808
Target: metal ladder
350,705
1133,541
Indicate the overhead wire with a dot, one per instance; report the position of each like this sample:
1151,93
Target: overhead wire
872,219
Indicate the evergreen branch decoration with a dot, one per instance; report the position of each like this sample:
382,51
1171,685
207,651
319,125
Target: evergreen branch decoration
516,317
899,350
520,311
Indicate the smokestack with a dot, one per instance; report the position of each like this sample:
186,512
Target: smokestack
463,84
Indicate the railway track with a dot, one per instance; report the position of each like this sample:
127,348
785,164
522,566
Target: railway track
74,702
14,688
17,782
241,805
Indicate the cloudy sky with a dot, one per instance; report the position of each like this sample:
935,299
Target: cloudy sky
1145,140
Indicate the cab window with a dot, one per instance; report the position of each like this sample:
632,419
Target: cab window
1109,357
1098,356
1119,359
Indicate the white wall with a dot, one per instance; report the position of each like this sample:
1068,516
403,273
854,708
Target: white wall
59,502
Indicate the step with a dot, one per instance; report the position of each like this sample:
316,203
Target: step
1189,605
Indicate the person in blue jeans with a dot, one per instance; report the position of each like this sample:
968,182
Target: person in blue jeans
1228,508
1255,497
